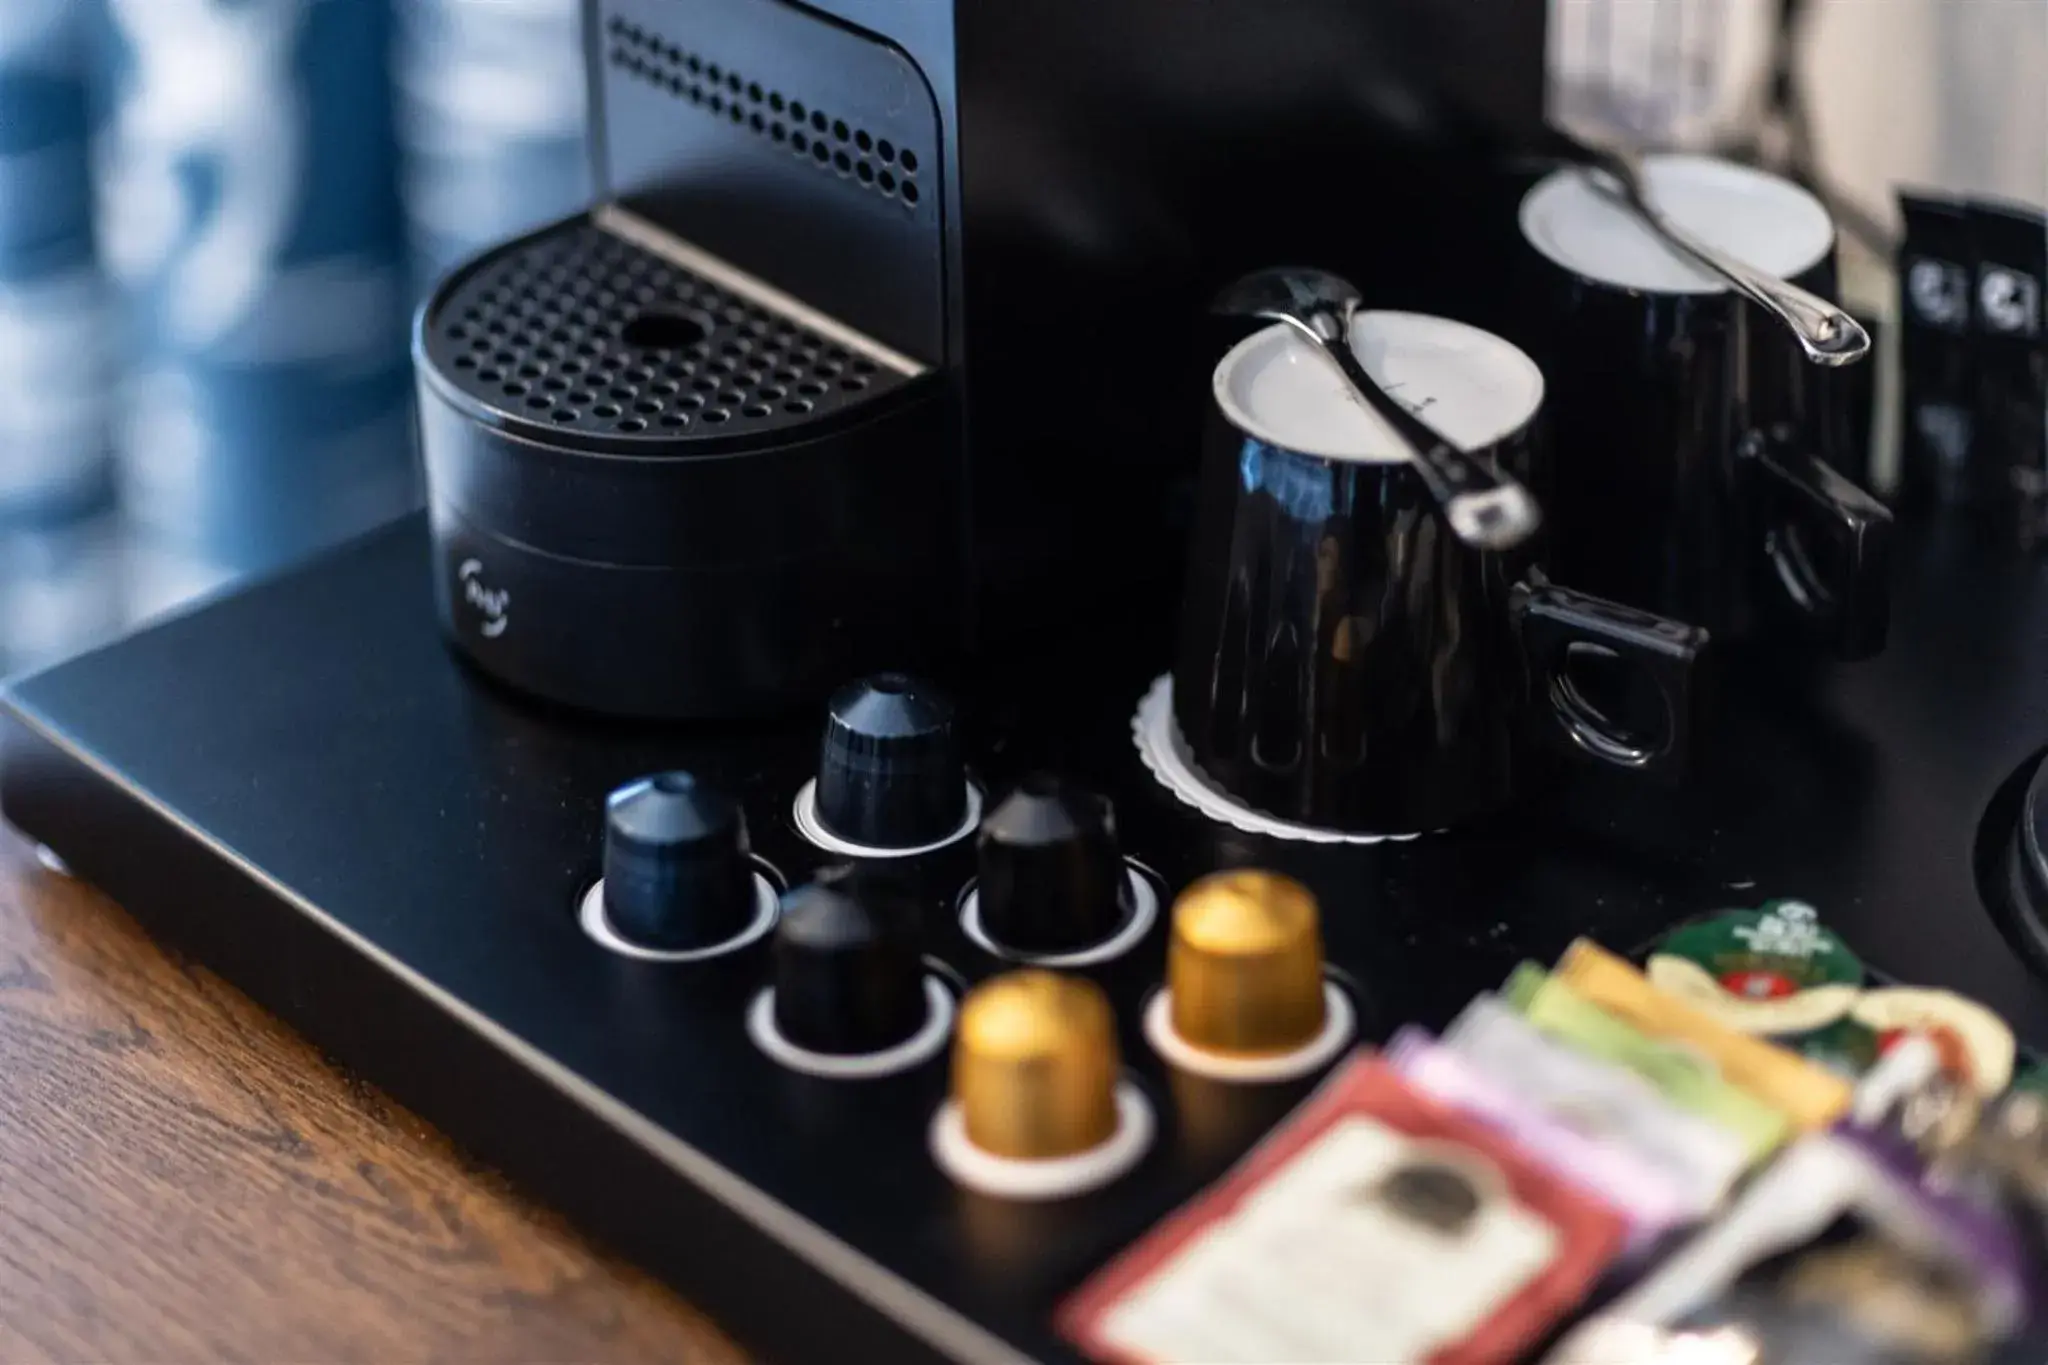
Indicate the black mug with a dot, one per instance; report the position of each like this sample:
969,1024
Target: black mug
1695,445
1345,661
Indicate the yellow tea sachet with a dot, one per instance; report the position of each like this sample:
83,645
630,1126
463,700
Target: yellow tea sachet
1812,1096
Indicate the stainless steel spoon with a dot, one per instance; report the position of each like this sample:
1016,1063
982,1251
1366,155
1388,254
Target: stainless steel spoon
1484,507
1828,335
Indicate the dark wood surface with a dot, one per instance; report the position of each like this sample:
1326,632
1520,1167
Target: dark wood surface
182,1178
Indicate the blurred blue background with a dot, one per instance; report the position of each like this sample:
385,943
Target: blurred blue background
216,217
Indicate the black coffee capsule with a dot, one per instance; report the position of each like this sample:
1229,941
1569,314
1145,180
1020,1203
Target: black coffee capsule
848,978
1052,877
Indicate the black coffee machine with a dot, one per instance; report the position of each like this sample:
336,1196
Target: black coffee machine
886,346
885,342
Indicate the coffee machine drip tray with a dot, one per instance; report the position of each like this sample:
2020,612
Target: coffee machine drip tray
305,787
663,488
611,326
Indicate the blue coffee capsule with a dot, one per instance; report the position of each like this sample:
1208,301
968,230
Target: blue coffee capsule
676,868
889,770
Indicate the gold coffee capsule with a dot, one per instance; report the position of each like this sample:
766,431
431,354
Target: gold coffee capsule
1035,1066
1244,970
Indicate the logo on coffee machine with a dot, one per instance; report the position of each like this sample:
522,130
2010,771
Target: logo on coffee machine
2010,301
491,603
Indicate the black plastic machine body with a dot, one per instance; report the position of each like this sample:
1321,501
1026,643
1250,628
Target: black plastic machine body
886,333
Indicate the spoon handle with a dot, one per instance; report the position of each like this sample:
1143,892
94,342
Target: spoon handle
1828,335
1484,507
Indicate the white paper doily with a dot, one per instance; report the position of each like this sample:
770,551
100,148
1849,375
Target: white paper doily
1163,751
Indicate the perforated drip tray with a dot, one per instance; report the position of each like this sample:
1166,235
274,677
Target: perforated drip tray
578,329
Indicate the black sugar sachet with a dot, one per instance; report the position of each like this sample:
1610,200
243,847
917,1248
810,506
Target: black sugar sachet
2011,346
1937,286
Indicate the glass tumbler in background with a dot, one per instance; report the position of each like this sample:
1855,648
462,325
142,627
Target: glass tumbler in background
490,114
1668,74
249,221
60,567
54,457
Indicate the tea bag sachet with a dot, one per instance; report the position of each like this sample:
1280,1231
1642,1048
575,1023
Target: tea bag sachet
1374,1224
1688,1079
1975,1043
1810,1095
1610,1103
1776,971
1834,1253
1626,1181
